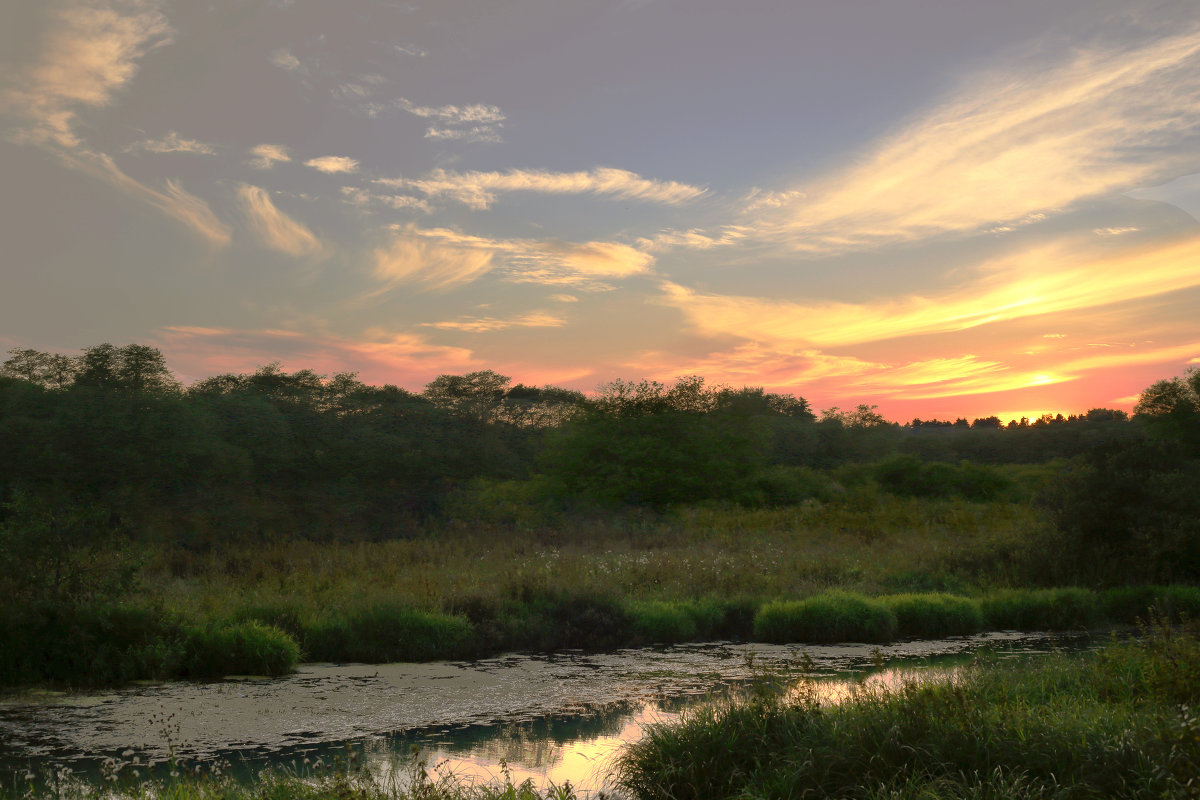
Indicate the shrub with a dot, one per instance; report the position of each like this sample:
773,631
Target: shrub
660,622
249,648
385,631
827,618
1042,609
933,616
1130,603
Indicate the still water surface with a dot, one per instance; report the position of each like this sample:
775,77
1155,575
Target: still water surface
552,718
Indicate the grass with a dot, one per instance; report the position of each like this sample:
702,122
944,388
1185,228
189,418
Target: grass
934,565
826,619
1117,723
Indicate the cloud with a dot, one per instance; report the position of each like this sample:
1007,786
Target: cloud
362,198
1034,139
479,189
434,263
694,239
283,59
1042,280
478,114
332,164
478,133
265,156
172,200
172,143
440,258
410,50
1114,231
90,54
534,319
472,123
275,229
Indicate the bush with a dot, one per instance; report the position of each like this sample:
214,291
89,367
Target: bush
1042,609
828,618
387,632
660,622
239,648
932,616
1130,603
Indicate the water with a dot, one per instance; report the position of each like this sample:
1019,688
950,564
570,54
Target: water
552,718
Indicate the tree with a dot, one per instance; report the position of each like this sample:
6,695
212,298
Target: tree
54,550
48,370
135,369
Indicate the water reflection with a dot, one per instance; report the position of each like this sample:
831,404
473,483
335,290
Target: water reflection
553,719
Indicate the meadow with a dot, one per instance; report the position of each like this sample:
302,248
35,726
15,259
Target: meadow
870,566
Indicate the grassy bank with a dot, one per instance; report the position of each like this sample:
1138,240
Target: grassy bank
870,567
1117,723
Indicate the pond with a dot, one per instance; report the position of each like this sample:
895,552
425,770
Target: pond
553,718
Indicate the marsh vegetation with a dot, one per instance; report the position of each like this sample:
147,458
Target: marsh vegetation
247,522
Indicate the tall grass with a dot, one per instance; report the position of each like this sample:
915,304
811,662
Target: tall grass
827,618
1112,724
933,616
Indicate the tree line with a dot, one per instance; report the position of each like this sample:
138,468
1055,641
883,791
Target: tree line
112,436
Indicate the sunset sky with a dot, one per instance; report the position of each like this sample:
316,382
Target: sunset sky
946,208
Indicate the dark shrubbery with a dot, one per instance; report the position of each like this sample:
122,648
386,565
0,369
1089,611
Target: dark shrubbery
245,648
826,618
933,616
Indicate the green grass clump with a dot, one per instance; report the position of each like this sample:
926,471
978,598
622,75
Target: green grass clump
238,648
1130,603
1110,724
1069,608
827,618
661,622
388,631
932,616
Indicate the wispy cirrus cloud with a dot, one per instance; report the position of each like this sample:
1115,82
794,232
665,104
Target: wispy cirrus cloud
1036,139
265,156
533,319
440,258
331,165
469,123
90,55
479,190
1042,280
478,113
172,143
284,59
274,228
364,199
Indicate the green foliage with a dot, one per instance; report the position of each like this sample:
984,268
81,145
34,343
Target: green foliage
827,618
933,616
661,622
1130,513
909,476
1113,724
89,646
1063,609
785,486
388,631
61,552
240,648
1129,603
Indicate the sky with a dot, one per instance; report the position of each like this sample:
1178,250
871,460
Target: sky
946,208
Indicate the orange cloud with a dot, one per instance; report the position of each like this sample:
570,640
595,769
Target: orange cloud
1045,280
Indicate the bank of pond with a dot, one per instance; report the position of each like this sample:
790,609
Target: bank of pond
1114,721
108,645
